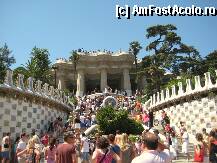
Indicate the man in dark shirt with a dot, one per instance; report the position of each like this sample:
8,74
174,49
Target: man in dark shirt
66,151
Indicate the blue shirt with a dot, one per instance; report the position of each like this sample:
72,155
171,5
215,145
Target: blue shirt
116,149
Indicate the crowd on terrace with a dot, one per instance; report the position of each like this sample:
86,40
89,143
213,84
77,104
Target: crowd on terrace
66,142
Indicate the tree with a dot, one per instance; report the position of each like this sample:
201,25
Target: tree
74,58
110,120
170,58
134,49
187,61
210,63
5,61
165,44
38,66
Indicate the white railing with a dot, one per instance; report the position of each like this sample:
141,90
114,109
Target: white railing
170,94
35,88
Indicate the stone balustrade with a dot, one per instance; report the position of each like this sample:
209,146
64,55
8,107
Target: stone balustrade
35,88
172,94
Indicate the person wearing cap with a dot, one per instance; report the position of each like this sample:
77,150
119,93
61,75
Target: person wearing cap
66,152
150,152
22,146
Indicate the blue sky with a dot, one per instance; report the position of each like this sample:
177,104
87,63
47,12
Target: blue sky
61,26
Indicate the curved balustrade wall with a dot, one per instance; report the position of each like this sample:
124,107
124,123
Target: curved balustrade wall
32,106
196,104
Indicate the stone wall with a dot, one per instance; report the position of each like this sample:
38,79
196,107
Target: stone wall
17,116
196,104
31,106
197,114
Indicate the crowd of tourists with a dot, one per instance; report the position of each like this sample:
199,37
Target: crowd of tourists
157,144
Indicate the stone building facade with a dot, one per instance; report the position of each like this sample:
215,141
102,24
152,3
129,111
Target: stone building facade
96,70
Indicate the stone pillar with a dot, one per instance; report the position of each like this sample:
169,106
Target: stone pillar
127,84
61,83
103,80
80,83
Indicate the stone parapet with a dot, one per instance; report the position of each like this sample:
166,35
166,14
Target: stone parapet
34,91
194,104
173,95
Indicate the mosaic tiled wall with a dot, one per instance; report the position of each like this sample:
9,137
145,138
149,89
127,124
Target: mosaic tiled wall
17,116
197,114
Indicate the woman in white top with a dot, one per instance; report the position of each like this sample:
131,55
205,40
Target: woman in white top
185,142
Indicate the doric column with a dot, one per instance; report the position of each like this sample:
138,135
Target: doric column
127,84
103,80
80,83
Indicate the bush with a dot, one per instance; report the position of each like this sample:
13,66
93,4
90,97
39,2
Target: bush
110,120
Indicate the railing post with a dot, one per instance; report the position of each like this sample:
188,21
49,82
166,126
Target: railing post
45,89
9,78
197,83
20,83
38,86
158,97
154,99
30,84
52,92
167,93
180,91
188,87
173,91
162,96
208,82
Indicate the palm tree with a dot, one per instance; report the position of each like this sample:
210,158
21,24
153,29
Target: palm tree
74,58
134,49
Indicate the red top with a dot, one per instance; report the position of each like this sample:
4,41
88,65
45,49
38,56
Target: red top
198,153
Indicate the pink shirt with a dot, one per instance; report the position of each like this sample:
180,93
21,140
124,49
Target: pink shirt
99,155
51,153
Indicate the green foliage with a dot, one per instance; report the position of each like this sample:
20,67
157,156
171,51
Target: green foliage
74,58
133,138
38,66
5,61
134,49
110,120
170,58
210,62
73,100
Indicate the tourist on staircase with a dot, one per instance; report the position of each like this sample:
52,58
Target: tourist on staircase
85,149
31,154
127,150
50,151
103,153
185,143
213,146
14,149
199,148
66,152
174,146
150,153
114,147
6,148
21,146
